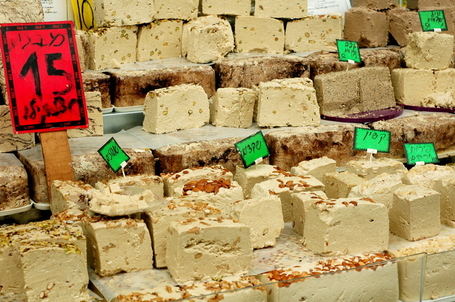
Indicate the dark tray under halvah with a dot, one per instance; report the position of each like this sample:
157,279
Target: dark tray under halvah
430,109
368,117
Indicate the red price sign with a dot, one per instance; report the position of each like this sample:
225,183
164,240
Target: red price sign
43,76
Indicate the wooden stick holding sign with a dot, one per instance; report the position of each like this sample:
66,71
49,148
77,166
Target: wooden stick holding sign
44,84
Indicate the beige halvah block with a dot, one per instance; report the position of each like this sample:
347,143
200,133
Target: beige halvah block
292,9
284,187
54,272
427,175
248,177
187,103
14,191
314,33
316,167
20,11
121,245
346,226
208,249
111,47
298,201
369,169
233,107
206,39
412,86
339,184
109,13
264,217
380,189
287,102
429,50
446,187
415,213
176,9
259,35
438,266
439,100
135,184
160,39
95,117
46,233
226,7
70,194
334,278
176,209
231,288
175,182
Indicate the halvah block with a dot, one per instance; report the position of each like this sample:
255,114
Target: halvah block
287,102
256,34
233,107
298,201
335,279
366,26
446,187
185,103
207,249
346,226
284,187
281,8
54,272
248,177
175,182
159,220
69,194
113,202
160,39
226,7
136,184
14,191
339,184
354,91
403,21
264,217
314,33
176,9
121,245
109,13
369,169
374,4
415,213
207,39
429,50
95,117
20,11
427,175
412,86
8,140
316,167
110,47
380,189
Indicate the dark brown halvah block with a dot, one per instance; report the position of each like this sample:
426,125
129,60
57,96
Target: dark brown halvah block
248,71
98,81
175,158
290,146
403,21
438,128
132,82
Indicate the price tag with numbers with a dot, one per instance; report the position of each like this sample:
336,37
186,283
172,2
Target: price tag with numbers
420,153
115,157
368,139
252,149
43,76
433,20
348,51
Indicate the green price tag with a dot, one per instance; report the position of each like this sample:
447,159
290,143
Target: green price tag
433,20
368,139
420,153
348,51
113,155
252,149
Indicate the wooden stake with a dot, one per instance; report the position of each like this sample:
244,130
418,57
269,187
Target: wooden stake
57,157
